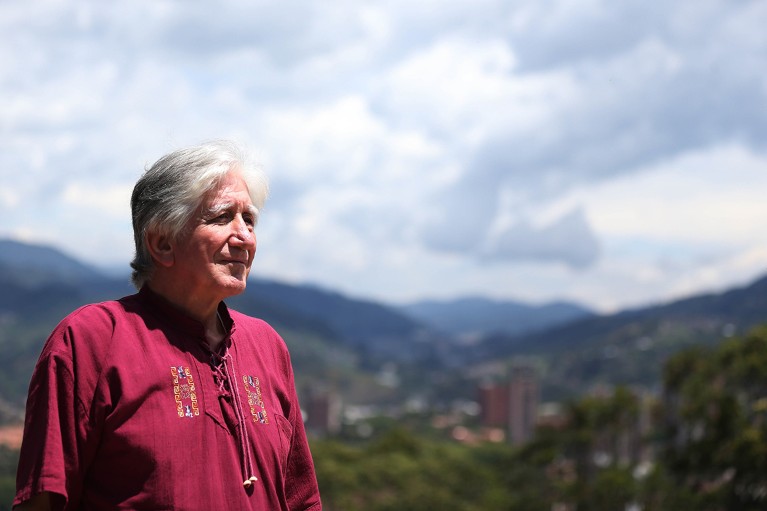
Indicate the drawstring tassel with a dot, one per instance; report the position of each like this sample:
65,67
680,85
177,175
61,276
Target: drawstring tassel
217,362
247,461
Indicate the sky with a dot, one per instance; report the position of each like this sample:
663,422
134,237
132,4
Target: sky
610,153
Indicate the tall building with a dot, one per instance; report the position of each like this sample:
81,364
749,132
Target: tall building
323,412
512,404
495,404
524,397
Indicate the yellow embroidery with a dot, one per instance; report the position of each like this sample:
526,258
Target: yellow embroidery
254,399
184,392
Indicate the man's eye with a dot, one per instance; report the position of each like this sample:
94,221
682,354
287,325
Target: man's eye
220,219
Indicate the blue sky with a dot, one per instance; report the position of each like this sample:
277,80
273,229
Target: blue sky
612,153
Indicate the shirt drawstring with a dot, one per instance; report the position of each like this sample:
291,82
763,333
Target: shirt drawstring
224,371
247,459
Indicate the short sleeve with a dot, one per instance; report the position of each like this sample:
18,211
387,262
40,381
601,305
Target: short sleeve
54,448
300,479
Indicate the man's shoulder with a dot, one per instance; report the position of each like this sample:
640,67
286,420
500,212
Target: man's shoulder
88,325
257,330
261,338
98,313
250,322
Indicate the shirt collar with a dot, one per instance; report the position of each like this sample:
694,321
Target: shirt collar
176,319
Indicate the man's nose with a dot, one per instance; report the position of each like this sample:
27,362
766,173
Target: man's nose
243,231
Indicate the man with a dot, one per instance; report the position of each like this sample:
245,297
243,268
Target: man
167,399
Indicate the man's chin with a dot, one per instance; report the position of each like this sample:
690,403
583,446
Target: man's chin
235,285
240,285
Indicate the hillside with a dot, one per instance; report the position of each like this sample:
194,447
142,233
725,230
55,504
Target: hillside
628,347
376,329
345,343
35,265
473,317
334,339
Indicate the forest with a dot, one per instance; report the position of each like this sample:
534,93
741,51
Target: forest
700,444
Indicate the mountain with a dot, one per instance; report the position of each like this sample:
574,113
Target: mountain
35,265
349,343
378,332
631,346
474,317
330,336
39,283
36,279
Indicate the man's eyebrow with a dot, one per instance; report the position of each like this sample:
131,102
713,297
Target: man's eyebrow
216,209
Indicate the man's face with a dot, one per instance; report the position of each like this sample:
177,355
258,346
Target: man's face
215,255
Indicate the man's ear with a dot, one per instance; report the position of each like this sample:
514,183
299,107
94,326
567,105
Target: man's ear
161,248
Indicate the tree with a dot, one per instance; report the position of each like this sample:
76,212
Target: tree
715,432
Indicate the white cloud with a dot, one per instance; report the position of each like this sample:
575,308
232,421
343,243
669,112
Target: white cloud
112,200
336,139
569,239
693,222
450,85
415,149
9,198
713,196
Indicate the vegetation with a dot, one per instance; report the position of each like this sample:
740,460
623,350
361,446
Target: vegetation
700,443
702,446
9,459
715,431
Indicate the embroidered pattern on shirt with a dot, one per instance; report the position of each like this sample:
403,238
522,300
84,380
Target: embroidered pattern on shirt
257,408
184,392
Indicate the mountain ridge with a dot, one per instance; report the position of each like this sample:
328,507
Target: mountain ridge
327,330
628,347
473,315
31,265
330,336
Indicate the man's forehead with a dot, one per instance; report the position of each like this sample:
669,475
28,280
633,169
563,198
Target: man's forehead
222,204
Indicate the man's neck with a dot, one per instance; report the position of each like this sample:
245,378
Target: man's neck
204,311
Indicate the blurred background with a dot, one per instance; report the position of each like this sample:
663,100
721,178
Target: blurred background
516,248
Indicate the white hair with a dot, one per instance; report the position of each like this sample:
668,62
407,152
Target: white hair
170,192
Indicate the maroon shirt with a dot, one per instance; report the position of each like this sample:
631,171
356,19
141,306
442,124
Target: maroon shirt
128,409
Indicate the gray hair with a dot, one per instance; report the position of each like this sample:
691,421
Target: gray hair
170,192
